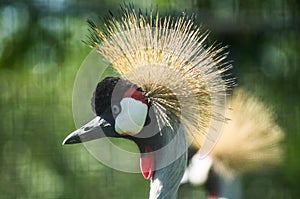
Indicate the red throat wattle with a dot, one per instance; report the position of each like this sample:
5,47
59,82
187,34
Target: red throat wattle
212,197
147,163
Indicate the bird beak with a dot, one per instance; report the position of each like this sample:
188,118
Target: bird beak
96,128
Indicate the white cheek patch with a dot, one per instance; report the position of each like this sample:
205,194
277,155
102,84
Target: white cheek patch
199,169
132,117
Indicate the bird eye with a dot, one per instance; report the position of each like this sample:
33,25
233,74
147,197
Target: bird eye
116,109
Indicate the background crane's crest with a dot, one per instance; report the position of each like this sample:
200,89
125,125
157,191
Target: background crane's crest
168,59
257,138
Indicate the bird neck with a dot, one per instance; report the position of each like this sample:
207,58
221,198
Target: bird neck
220,187
166,181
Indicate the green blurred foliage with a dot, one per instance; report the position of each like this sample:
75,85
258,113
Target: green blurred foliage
41,51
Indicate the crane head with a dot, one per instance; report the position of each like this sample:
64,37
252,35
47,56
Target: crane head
122,111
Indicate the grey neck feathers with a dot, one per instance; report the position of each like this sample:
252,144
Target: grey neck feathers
166,180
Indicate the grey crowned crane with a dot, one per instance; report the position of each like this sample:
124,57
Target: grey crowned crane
250,142
170,90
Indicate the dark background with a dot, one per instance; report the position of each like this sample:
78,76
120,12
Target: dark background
41,50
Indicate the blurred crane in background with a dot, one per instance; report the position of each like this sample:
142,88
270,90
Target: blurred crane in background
251,141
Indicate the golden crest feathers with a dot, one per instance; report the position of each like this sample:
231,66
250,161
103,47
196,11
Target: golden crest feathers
167,58
250,141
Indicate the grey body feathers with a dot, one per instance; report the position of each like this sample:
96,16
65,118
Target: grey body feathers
166,181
